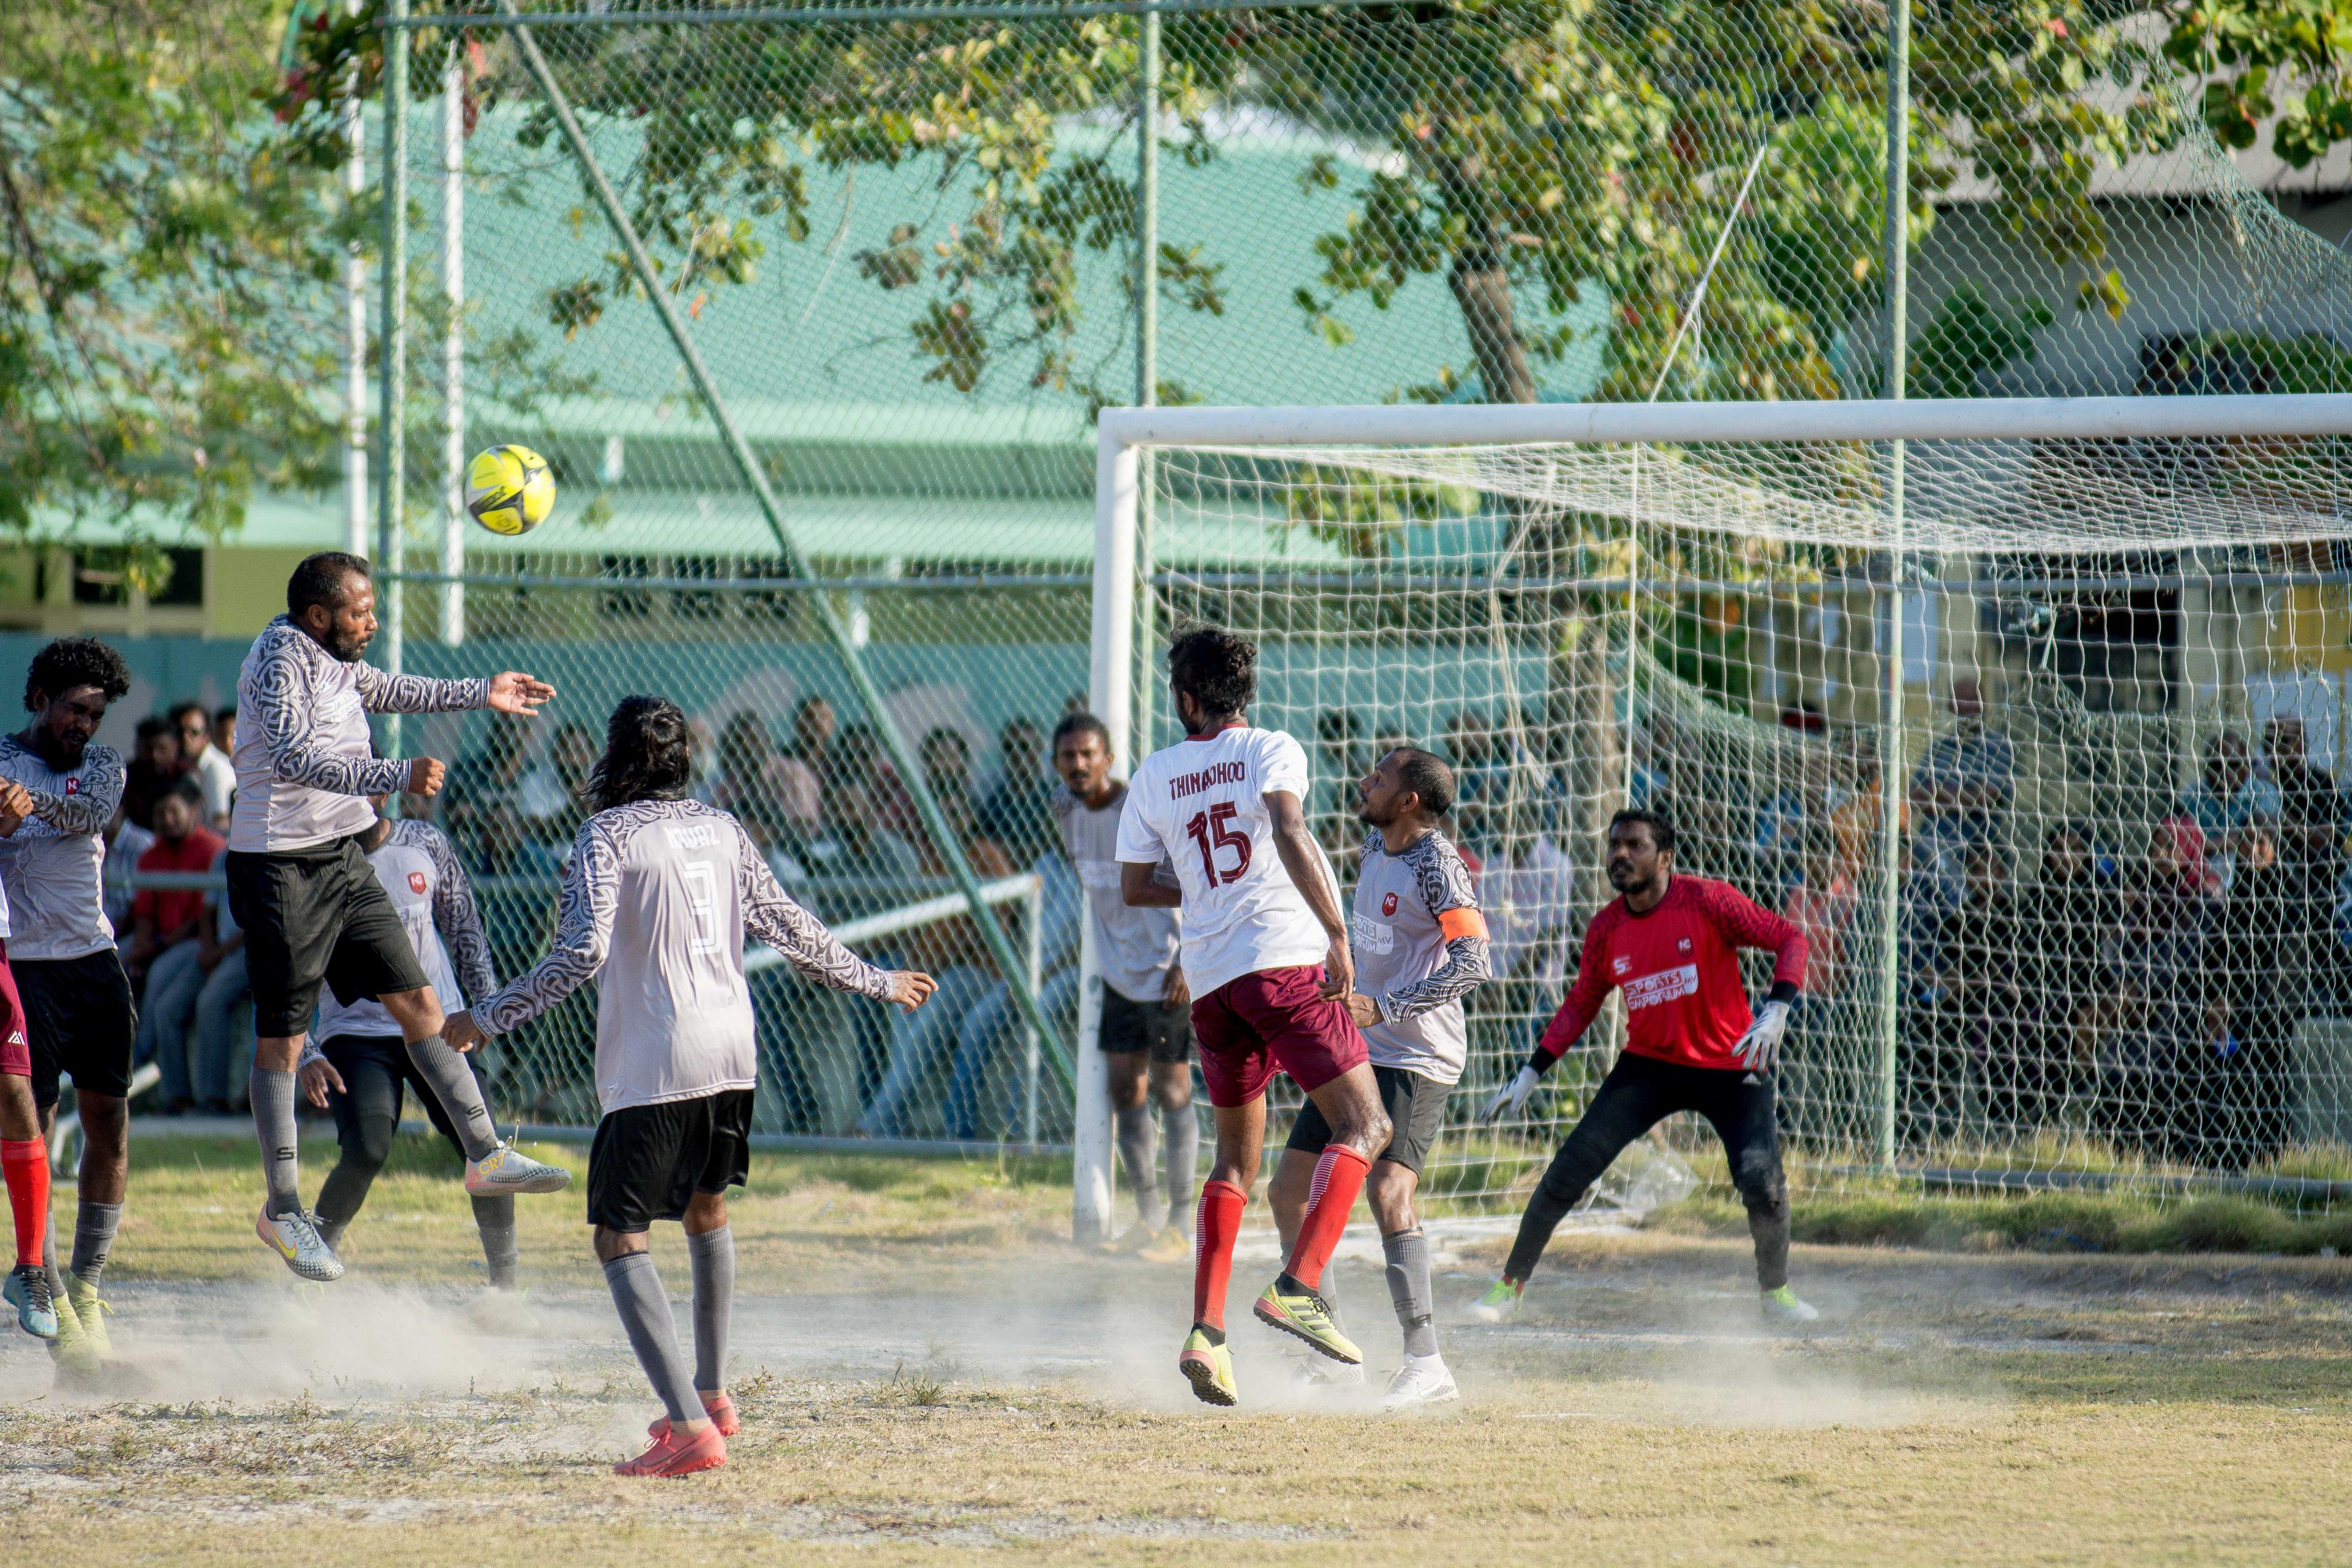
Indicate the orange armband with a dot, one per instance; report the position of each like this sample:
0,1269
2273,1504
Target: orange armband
1464,922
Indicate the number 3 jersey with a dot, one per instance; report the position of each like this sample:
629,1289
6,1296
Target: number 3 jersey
655,903
1201,806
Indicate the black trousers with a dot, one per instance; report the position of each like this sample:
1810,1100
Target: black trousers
1639,1093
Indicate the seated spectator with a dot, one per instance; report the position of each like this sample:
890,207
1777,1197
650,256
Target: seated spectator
1821,902
206,763
859,754
801,770
153,768
125,842
850,844
225,731
223,1021
2148,1083
479,806
743,777
1960,795
1012,809
946,757
2229,800
549,797
166,951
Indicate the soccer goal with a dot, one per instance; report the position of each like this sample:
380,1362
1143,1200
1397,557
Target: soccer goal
2029,711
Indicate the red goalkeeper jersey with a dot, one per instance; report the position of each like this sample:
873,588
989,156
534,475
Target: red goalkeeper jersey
1679,966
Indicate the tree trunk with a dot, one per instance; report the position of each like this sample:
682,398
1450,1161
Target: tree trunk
1483,289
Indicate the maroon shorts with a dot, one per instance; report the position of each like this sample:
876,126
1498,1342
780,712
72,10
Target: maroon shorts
16,1051
1276,1019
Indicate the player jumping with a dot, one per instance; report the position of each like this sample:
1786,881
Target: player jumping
300,886
1673,944
355,1064
658,896
1421,946
1147,1019
61,790
1265,955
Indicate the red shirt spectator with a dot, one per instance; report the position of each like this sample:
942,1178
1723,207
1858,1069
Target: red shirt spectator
174,911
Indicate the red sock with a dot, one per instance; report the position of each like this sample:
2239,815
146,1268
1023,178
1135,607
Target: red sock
1212,1249
1339,1177
27,1167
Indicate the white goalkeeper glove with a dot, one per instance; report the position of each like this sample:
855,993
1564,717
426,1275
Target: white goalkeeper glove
1760,1047
1514,1094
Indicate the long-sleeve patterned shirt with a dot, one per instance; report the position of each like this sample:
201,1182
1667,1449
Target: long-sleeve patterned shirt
1421,946
303,767
1679,965
655,904
54,864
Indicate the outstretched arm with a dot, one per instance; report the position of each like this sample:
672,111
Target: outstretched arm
583,937
769,914
383,693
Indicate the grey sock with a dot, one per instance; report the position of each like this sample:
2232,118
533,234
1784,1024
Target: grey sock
1408,1256
454,1084
1183,1161
94,1227
644,1305
1135,1159
273,1121
494,1217
714,1302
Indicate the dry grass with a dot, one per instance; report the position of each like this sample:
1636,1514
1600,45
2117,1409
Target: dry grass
926,1376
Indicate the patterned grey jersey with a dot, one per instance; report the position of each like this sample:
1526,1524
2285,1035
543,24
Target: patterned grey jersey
303,770
429,891
655,903
1136,948
1407,963
54,864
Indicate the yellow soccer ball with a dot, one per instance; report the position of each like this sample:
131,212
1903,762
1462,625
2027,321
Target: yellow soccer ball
508,489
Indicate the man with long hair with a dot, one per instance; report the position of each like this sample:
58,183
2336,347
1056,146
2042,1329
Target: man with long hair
657,900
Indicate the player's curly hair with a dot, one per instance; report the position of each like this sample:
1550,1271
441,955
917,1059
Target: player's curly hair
1217,669
70,662
648,754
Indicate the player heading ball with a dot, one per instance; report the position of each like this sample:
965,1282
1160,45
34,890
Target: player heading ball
1265,950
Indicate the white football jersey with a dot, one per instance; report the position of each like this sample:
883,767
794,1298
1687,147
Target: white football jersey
1201,806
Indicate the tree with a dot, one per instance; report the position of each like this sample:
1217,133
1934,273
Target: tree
2288,59
165,324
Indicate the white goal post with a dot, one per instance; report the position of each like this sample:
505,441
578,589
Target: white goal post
1118,668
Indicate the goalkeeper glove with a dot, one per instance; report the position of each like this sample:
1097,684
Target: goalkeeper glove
1760,1047
1514,1094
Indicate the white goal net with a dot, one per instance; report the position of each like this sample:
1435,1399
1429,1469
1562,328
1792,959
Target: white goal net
2095,648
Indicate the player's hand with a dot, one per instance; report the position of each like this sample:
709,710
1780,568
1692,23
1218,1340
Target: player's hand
1760,1047
910,988
316,1077
1363,1009
1338,969
1513,1096
515,692
1176,992
15,801
425,775
460,1033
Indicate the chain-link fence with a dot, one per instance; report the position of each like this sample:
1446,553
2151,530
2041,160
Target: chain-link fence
811,309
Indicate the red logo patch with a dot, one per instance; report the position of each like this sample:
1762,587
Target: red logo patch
1683,945
73,786
1388,905
417,881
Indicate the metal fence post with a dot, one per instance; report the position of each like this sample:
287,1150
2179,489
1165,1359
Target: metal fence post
1890,776
392,495
1033,912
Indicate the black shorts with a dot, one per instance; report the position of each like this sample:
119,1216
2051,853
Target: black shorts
311,916
1416,1108
79,1020
648,1161
1165,1032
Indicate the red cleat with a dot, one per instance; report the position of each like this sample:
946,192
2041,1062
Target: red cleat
717,1407
679,1456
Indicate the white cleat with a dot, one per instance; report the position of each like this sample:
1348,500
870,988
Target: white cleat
295,1237
1784,1306
508,1169
1317,1373
1422,1380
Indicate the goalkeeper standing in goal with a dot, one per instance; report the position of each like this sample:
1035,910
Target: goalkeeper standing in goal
1421,946
657,898
1673,944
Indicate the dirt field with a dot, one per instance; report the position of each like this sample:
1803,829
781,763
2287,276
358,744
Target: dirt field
925,1373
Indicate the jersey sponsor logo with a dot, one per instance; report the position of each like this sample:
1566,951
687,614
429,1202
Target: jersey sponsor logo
1682,945
691,835
1210,777
416,882
1620,966
1388,904
1371,936
73,786
1667,986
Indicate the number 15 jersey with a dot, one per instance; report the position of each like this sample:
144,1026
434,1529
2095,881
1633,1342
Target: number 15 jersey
1201,806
